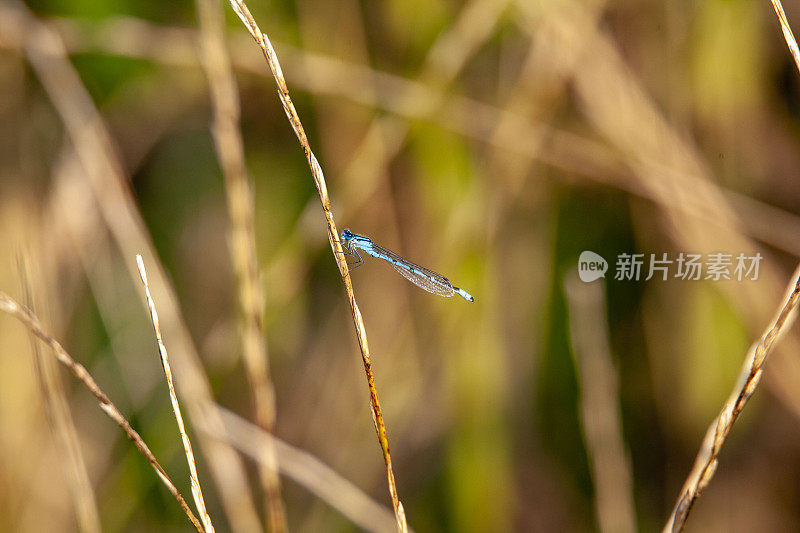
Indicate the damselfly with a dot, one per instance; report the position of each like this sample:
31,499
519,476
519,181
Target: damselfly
419,276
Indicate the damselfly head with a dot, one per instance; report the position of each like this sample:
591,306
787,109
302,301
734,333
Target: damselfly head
347,235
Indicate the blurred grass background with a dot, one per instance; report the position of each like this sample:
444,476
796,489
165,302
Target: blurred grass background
490,140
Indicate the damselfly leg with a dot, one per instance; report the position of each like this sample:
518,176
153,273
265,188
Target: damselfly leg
351,251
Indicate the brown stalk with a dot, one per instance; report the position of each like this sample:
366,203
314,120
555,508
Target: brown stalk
197,491
707,458
241,242
787,32
322,189
29,320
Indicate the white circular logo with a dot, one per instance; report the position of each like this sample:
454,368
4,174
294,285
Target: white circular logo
591,266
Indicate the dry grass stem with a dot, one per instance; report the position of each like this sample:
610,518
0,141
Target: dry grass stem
787,32
197,491
599,405
24,315
306,470
241,242
319,180
706,462
94,149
